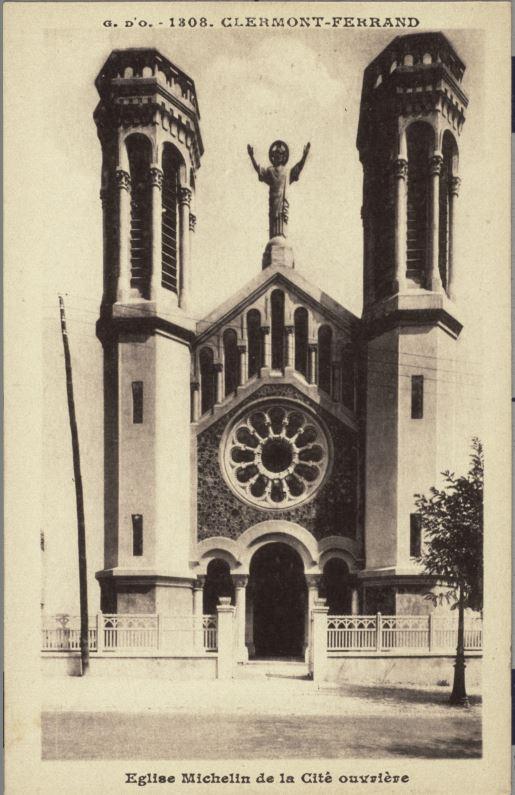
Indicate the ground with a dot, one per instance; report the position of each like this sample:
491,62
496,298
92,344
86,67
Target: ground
280,718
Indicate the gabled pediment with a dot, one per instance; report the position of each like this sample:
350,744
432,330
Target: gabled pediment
296,287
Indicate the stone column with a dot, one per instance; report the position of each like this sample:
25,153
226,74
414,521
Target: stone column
249,624
240,588
219,374
454,189
336,376
313,583
106,222
290,346
312,349
156,182
184,275
266,343
198,613
225,612
195,401
242,352
354,602
123,185
434,281
400,172
319,641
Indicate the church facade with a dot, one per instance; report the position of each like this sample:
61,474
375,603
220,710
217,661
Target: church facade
270,452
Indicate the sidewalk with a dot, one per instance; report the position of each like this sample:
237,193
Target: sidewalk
97,718
271,696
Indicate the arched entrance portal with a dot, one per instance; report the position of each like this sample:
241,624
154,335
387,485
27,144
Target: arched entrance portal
278,598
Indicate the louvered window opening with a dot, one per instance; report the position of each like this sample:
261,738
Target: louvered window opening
169,226
418,182
139,163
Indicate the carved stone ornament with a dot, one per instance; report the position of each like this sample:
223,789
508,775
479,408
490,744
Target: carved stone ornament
454,188
276,456
185,196
123,179
400,168
313,580
193,222
289,329
242,348
240,580
435,165
156,177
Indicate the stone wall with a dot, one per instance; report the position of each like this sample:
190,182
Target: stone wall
333,510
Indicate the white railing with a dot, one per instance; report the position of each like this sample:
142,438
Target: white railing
62,632
387,633
132,633
123,632
210,632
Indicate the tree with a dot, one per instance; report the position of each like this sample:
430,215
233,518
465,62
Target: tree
452,524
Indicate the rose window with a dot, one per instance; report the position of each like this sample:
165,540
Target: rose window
276,456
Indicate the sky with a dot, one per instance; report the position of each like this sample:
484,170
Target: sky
252,87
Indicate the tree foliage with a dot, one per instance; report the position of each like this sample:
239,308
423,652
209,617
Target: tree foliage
452,524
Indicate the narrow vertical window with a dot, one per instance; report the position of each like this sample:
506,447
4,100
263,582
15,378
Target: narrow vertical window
417,397
137,534
139,152
415,535
169,227
137,401
277,302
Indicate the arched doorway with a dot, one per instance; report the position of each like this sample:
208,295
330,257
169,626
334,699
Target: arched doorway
336,587
277,589
218,583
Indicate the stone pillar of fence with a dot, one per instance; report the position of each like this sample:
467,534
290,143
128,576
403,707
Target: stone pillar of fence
240,586
379,632
226,638
318,657
198,613
100,633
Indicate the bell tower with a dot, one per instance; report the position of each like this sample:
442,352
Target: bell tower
148,125
411,119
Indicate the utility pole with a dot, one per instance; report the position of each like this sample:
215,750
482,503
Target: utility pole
79,497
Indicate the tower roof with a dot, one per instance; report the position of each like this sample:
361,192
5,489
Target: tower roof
141,80
418,72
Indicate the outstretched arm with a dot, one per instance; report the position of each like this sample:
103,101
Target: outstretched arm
296,169
250,150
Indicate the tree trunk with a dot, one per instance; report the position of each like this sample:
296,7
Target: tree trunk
459,695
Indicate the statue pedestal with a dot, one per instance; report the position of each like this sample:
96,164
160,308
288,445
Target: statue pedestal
278,252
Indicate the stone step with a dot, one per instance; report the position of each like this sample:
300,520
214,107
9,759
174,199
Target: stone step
272,669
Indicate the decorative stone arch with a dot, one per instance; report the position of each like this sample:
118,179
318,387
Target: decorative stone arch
429,121
339,547
276,530
125,135
218,547
181,163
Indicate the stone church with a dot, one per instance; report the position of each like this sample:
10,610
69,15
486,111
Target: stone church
256,454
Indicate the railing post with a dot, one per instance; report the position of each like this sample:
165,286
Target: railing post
158,632
379,632
198,614
319,640
430,632
100,633
225,613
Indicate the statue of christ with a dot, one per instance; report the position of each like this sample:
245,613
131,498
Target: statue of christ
278,177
